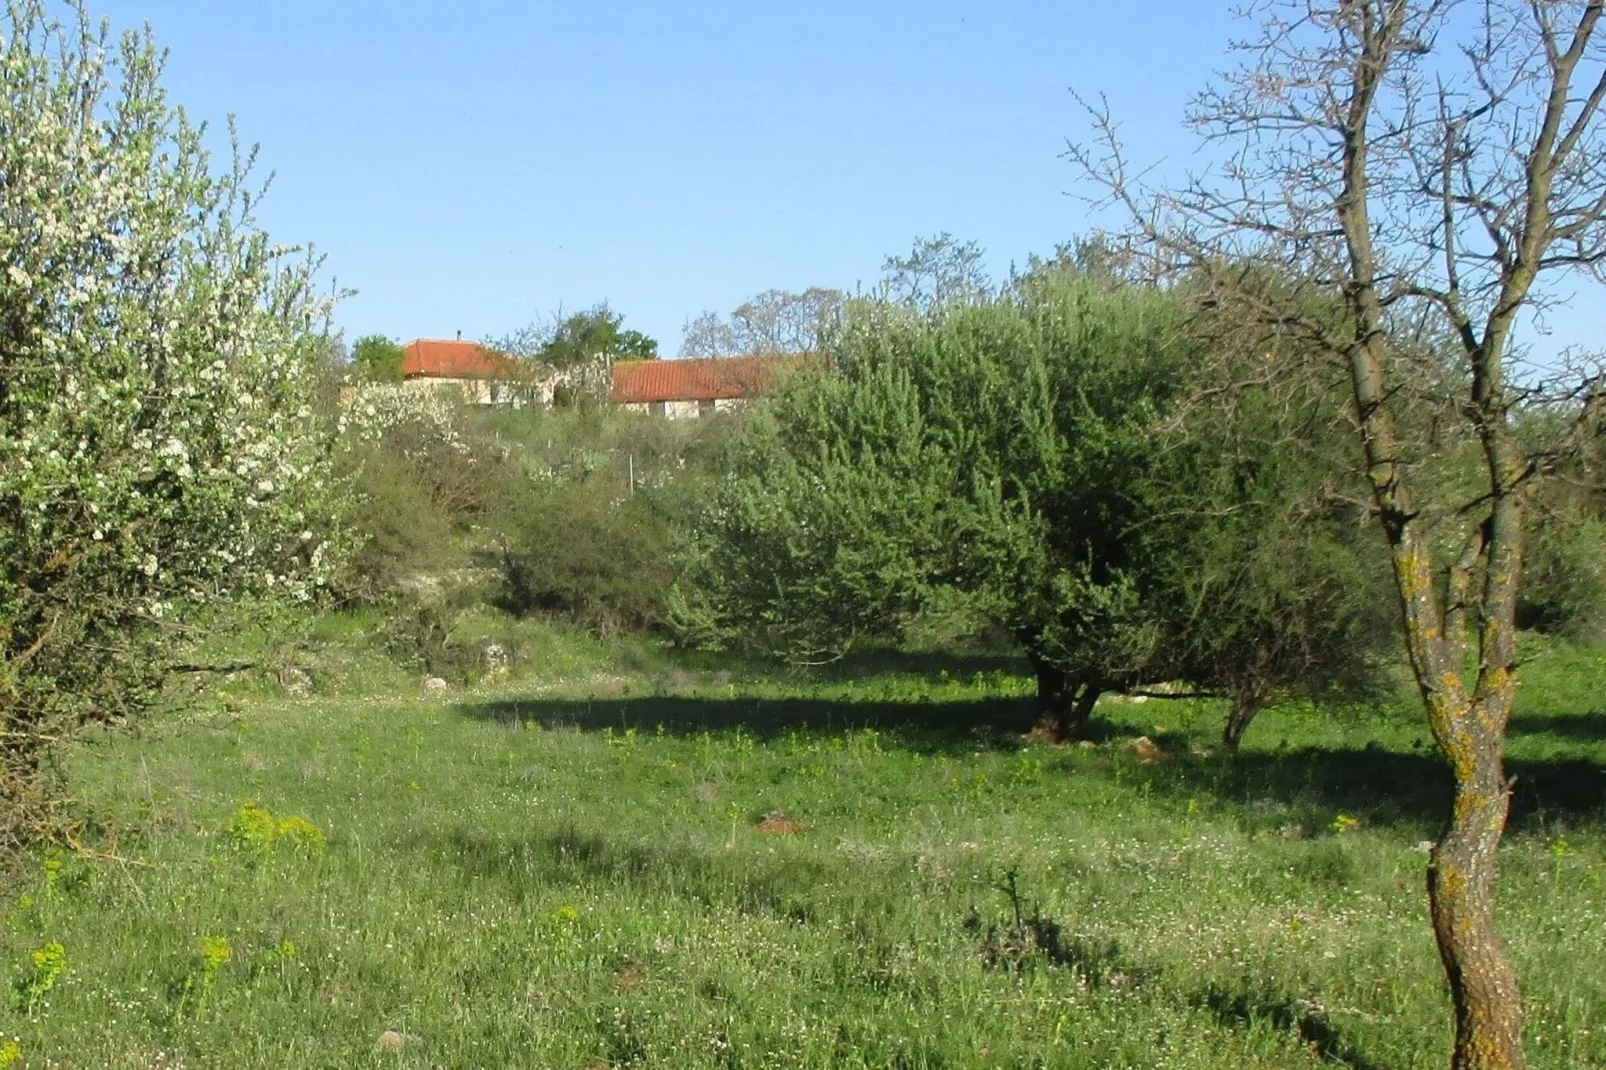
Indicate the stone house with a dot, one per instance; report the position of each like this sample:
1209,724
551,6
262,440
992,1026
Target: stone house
677,388
480,375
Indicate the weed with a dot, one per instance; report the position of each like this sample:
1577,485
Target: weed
47,964
211,955
260,832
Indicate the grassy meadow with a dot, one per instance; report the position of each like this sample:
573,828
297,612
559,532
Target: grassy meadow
628,861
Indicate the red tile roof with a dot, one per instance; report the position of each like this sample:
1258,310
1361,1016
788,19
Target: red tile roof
708,379
453,360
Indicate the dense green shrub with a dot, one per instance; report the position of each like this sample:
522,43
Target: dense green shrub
568,512
1050,463
986,450
585,551
405,534
1564,584
1262,570
377,359
589,532
423,475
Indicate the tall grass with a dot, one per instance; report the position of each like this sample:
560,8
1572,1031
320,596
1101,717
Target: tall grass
576,873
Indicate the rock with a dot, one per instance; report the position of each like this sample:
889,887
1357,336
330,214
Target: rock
434,684
495,657
295,680
777,823
1087,744
1139,698
1145,749
390,1040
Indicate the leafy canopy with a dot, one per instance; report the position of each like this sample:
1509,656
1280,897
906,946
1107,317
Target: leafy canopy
1039,456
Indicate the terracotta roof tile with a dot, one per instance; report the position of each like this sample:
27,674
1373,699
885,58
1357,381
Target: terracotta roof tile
707,379
433,357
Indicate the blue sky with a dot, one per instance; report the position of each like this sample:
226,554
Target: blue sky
473,166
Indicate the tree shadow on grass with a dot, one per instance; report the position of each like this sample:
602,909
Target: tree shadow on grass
782,886
1588,727
1300,1017
863,664
796,889
931,727
1379,785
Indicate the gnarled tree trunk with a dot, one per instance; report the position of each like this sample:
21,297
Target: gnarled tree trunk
1245,705
1064,702
1461,878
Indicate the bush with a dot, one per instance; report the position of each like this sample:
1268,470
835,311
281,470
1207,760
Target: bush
589,553
1564,582
569,513
377,359
1052,463
588,531
422,475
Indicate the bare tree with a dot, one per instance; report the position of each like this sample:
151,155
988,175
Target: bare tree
772,322
708,335
1441,166
939,270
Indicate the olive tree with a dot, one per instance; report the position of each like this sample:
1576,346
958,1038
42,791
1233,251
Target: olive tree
985,449
159,445
1036,459
1260,566
1441,166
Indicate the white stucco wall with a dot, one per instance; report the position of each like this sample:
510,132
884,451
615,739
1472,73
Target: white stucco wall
485,391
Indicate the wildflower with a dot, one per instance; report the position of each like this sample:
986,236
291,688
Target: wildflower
215,951
49,963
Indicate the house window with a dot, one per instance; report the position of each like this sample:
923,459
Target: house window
656,408
705,406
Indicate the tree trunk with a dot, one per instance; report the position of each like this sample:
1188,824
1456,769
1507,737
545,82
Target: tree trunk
1244,708
1054,693
1461,878
1081,710
1064,703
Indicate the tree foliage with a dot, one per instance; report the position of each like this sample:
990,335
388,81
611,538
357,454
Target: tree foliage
938,271
575,352
1439,165
159,357
1024,454
595,334
377,359
587,529
1263,566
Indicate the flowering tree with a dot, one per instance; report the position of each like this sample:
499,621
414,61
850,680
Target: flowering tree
158,442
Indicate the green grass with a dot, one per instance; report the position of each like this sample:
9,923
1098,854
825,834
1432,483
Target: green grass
569,874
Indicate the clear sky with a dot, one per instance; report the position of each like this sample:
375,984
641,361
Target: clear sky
471,166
